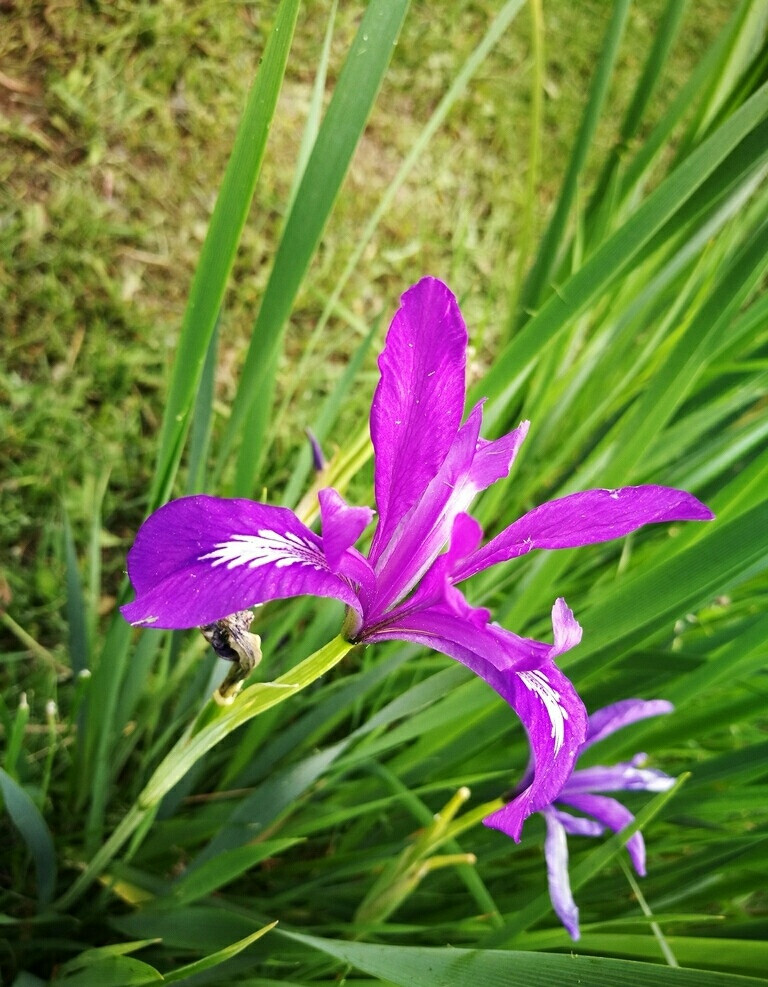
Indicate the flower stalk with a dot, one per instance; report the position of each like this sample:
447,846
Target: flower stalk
214,724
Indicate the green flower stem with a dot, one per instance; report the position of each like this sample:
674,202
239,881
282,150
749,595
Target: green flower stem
214,724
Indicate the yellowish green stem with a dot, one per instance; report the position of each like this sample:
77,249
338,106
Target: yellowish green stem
214,724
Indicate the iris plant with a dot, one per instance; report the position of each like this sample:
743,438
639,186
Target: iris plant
581,792
198,559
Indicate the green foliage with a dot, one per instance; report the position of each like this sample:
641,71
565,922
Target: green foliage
141,816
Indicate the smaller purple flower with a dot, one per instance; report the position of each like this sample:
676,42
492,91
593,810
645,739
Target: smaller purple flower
580,792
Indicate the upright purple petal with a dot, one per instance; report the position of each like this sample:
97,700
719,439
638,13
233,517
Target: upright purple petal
615,816
584,519
423,531
603,722
198,559
419,401
472,465
494,457
556,856
342,525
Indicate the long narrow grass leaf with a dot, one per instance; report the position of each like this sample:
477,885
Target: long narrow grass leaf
218,252
551,241
28,820
339,135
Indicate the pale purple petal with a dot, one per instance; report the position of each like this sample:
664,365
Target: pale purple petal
619,777
342,525
615,816
577,825
584,519
556,856
567,630
603,722
198,559
419,401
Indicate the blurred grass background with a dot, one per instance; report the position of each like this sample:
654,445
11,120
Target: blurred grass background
117,120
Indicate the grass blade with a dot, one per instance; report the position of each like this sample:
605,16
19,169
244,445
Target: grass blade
218,252
339,134
31,825
552,240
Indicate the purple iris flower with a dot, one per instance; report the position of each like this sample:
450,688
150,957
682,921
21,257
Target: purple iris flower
580,793
199,559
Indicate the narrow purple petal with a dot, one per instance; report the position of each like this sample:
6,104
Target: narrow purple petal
556,856
419,401
615,816
577,825
586,518
619,777
603,722
198,559
494,457
342,524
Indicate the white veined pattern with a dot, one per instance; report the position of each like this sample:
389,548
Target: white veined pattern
538,682
266,548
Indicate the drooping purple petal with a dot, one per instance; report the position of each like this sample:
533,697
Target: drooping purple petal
555,720
626,776
556,856
472,465
522,671
419,401
198,559
603,722
585,519
615,816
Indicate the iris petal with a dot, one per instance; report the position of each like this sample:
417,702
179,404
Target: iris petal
419,401
603,722
615,816
198,559
556,855
585,519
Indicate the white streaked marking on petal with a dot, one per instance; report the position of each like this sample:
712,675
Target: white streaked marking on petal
538,682
266,547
